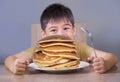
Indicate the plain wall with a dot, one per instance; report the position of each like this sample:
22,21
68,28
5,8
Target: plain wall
17,16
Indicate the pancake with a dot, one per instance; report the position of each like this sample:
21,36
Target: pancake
47,44
66,65
49,64
58,48
55,38
56,52
70,55
42,58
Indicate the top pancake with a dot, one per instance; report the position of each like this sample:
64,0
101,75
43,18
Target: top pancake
47,44
55,38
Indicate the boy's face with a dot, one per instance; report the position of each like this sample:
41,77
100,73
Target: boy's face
60,27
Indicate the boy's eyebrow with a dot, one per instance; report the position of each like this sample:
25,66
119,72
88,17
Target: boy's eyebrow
51,27
63,25
67,24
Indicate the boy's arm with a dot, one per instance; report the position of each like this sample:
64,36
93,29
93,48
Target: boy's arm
104,61
18,63
9,62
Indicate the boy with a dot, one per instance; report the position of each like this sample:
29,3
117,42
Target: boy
58,20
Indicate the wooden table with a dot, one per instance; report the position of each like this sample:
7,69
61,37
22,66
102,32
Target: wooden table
82,75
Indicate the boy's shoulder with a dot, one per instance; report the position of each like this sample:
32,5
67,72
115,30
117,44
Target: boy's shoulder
80,44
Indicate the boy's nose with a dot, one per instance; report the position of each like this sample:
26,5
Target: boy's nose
61,33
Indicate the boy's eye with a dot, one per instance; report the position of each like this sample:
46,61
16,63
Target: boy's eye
53,30
66,28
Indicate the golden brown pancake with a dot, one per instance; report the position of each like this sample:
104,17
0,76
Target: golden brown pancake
66,65
58,48
47,44
55,47
42,58
70,55
44,64
55,38
56,52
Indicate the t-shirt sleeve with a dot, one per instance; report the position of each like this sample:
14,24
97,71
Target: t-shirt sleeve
83,50
30,51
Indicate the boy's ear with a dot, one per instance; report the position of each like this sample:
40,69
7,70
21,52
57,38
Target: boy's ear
43,34
74,30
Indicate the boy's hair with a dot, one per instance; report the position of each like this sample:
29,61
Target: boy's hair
56,12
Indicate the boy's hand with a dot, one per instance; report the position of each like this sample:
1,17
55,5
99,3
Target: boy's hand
98,64
19,66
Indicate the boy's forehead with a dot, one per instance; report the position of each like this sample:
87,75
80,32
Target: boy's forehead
60,21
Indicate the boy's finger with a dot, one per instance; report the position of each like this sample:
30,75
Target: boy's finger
27,62
20,65
98,59
97,68
90,59
96,64
21,61
20,69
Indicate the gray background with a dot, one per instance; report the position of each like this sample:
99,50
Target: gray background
16,17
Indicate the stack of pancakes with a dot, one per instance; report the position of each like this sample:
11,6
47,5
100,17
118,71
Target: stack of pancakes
56,52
